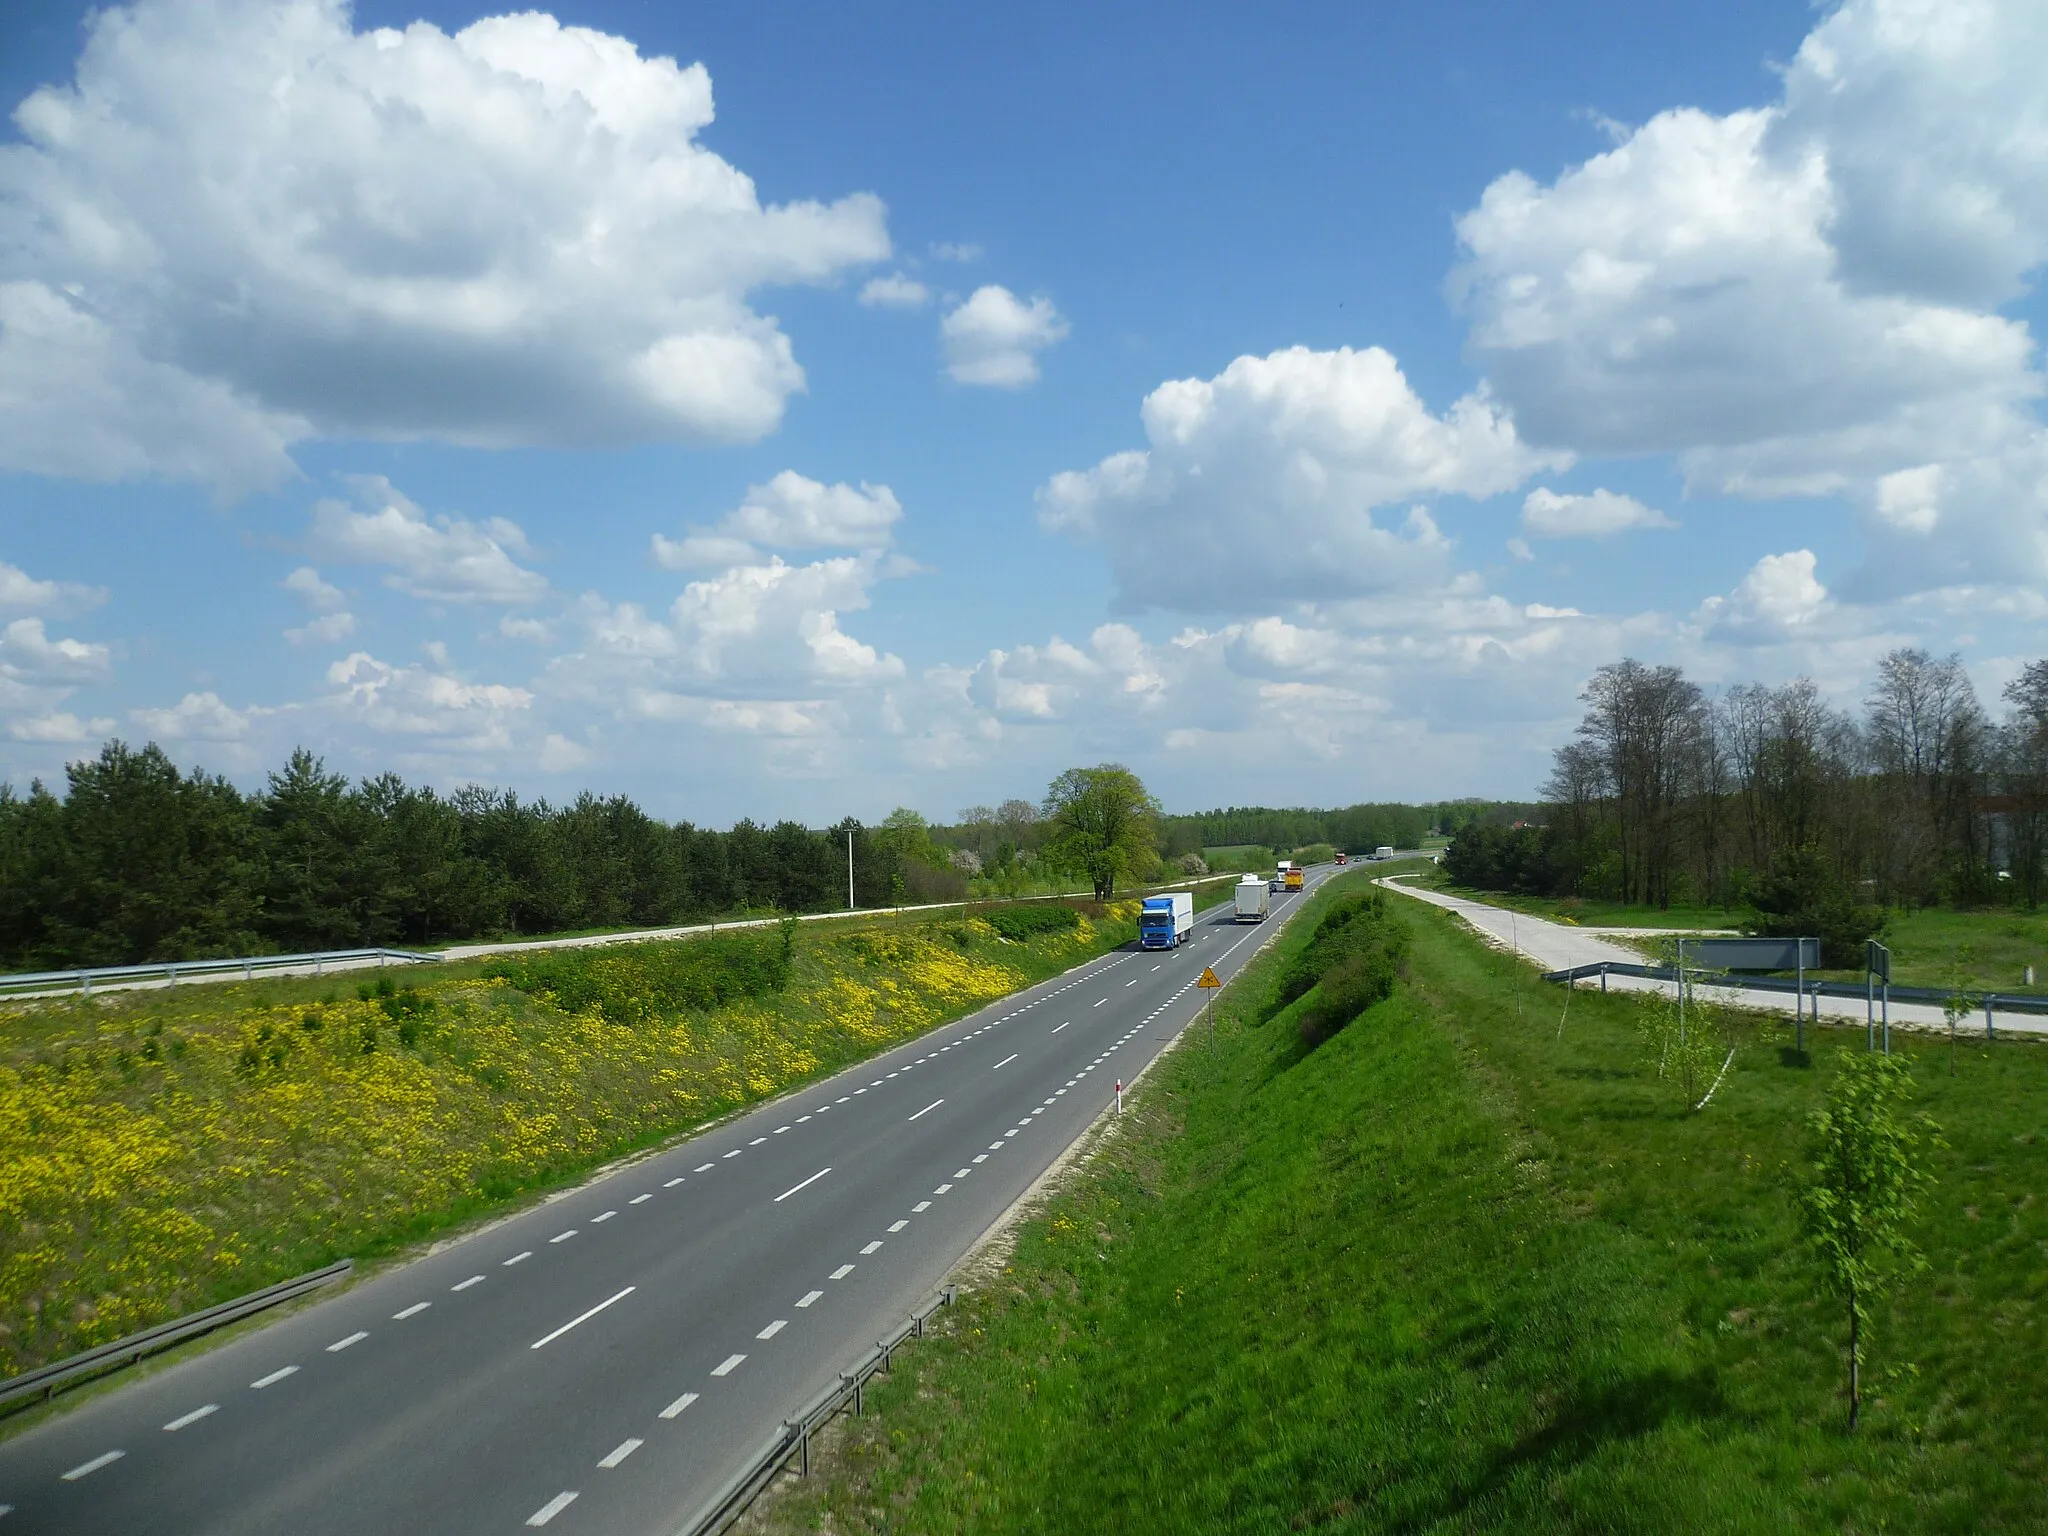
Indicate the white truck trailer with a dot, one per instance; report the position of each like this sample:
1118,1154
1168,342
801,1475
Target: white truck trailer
1252,901
1383,852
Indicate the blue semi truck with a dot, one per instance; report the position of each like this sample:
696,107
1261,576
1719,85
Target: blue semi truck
1165,922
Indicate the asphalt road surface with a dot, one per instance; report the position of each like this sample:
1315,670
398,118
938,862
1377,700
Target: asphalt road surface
602,1362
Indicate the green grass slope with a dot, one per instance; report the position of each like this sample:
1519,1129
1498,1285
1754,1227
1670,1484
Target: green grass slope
1458,1269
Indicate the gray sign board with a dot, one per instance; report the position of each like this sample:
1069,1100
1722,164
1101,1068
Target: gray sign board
1877,959
1753,954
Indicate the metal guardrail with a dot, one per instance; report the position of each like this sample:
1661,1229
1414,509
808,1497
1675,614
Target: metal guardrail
2006,1002
793,1438
168,971
43,1383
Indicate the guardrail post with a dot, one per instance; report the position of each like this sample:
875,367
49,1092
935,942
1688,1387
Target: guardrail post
1989,1032
316,965
170,975
1603,978
85,983
885,1355
248,971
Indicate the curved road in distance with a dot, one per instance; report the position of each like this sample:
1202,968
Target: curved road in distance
602,1362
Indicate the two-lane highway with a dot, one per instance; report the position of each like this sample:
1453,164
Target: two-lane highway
602,1361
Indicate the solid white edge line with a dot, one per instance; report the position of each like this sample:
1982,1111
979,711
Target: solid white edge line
586,1317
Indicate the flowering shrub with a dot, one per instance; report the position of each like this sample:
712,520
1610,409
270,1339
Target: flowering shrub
162,1151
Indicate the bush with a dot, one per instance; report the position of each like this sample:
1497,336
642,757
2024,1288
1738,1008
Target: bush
1803,896
629,983
1026,920
1517,859
1350,963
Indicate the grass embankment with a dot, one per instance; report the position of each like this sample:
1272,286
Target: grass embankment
160,1151
1448,1271
1986,949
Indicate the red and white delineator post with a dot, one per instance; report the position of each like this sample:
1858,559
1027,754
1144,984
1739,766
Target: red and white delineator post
1119,1095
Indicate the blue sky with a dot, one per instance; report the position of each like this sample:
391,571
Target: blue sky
367,395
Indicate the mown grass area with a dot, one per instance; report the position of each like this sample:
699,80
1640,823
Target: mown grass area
1985,949
160,1151
1468,1265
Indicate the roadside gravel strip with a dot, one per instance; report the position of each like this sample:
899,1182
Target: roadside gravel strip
1557,946
600,1362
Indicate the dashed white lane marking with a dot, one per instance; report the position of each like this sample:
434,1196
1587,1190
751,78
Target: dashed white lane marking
1063,1026
1157,967
897,1073
1005,1061
678,1405
921,1207
274,1377
995,1146
85,1468
735,1152
773,1328
858,1092
808,1297
355,1338
463,1285
726,1366
639,1199
607,1216
412,1311
871,1247
942,1189
563,1237
552,1508
620,1452
779,1130
800,1119
517,1258
807,1183
193,1417
935,1103
1098,1002
1132,982
842,1098
577,1322
672,1183
961,1173
979,1157
757,1141
898,1226
841,1272
703,1167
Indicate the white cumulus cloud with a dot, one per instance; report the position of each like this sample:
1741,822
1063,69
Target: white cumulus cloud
1803,298
1259,485
894,290
1779,595
442,559
993,337
23,593
195,717
243,224
790,512
1556,515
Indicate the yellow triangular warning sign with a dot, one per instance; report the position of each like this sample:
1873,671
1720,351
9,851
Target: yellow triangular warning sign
1208,978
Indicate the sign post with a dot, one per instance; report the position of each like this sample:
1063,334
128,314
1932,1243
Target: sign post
1209,984
1877,967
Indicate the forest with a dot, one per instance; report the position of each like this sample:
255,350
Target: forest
137,860
1774,798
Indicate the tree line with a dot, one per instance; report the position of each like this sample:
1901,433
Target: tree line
1774,797
138,861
